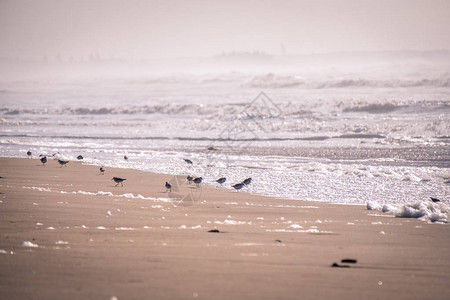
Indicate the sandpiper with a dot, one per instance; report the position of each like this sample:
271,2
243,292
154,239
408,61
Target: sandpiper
198,180
80,157
43,160
247,181
118,180
168,187
29,154
102,170
189,179
221,180
63,162
238,186
188,161
125,157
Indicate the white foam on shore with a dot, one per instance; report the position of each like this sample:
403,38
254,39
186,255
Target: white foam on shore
422,210
30,244
231,222
36,188
126,195
373,206
310,230
296,226
61,243
124,228
248,244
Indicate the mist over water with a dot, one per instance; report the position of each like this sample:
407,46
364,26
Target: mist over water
341,128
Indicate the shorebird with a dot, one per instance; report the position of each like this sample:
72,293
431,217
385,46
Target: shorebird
63,162
102,170
29,154
118,180
198,180
189,179
43,160
80,157
247,181
168,187
435,200
125,157
238,186
188,161
221,180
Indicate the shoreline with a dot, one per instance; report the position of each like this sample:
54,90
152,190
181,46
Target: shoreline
95,241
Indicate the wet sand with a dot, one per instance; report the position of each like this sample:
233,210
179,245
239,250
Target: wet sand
93,245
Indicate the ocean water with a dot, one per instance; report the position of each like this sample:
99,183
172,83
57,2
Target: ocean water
338,139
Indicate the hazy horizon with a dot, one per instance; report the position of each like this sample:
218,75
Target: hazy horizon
133,30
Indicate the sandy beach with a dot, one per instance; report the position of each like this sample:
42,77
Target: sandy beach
70,233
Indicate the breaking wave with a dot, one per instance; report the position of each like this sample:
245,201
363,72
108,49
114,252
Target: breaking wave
271,80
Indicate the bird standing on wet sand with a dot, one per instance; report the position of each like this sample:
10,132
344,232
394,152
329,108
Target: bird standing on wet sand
221,180
168,187
29,154
125,157
118,180
43,160
102,170
80,157
63,162
198,180
238,186
188,161
189,179
247,181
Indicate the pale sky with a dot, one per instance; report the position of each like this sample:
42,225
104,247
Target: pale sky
163,29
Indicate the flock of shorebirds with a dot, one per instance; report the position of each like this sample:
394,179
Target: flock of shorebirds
118,180
198,180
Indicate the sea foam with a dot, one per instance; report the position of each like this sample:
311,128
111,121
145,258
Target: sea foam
424,210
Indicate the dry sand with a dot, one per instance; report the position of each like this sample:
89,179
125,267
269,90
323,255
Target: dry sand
267,248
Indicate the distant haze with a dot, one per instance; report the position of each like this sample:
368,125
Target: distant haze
77,30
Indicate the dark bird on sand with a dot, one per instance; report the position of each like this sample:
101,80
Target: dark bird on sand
221,180
29,154
435,200
118,180
63,162
125,157
238,186
102,170
188,161
80,157
43,160
189,179
247,181
198,180
168,187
